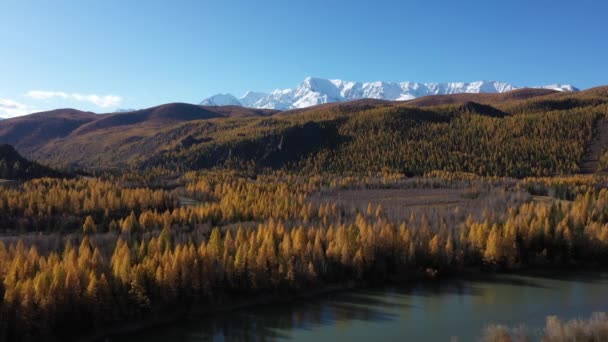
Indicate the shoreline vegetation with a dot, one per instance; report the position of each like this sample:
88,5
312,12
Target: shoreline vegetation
237,304
592,329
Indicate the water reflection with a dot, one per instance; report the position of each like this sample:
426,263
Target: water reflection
429,311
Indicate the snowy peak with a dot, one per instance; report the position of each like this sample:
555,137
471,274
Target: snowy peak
314,91
221,100
251,98
560,87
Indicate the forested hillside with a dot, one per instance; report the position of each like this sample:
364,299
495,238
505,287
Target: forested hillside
538,136
14,167
522,133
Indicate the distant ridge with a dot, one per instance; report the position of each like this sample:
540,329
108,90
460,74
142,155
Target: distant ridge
315,91
38,128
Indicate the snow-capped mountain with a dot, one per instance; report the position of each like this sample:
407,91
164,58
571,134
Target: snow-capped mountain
314,91
560,87
221,100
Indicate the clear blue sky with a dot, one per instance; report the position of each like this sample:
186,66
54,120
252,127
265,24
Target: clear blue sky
153,52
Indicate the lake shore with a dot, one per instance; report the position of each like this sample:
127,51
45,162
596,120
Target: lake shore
415,279
162,318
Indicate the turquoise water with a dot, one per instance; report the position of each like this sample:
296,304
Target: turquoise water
440,311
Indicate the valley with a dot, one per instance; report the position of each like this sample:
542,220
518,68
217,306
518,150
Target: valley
162,214
303,171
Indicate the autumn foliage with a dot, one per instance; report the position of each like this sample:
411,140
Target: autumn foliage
128,259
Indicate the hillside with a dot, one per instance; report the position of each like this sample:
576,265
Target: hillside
67,137
31,131
485,98
14,166
164,114
518,133
168,114
521,133
596,151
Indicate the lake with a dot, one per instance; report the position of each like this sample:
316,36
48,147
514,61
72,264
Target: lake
447,310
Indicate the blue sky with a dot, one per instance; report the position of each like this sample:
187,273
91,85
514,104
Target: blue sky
103,55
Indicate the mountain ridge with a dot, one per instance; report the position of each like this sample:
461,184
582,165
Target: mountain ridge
180,135
315,91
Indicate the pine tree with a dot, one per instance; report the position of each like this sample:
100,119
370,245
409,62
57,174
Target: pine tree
89,226
493,251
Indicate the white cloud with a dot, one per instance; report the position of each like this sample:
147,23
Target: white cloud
104,101
10,109
100,101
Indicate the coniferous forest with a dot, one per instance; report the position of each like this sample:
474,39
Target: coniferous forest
201,214
299,171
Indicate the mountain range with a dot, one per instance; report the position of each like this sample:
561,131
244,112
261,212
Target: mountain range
186,136
315,91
